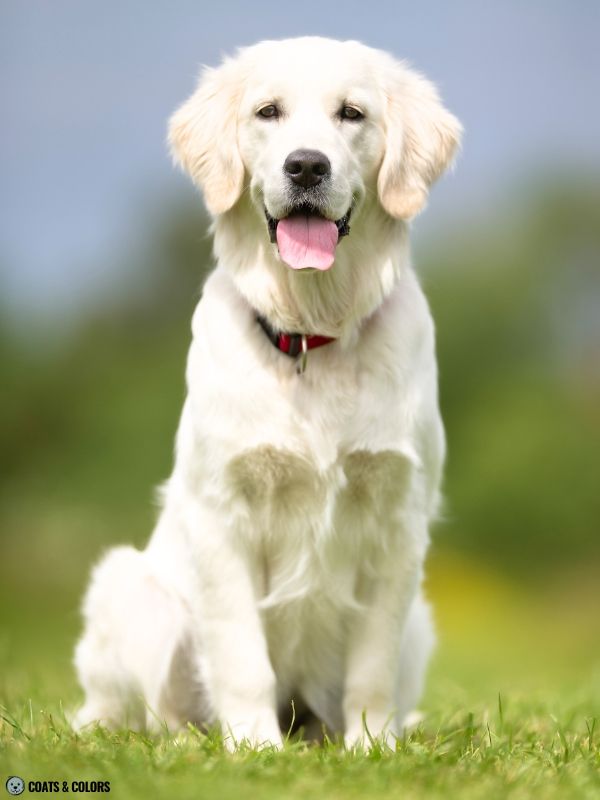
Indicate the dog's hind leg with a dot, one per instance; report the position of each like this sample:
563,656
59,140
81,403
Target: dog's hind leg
133,658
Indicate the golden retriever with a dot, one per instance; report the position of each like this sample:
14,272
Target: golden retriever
288,557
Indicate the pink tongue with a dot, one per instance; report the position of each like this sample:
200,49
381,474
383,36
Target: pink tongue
307,241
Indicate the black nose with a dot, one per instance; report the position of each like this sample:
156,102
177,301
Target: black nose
307,167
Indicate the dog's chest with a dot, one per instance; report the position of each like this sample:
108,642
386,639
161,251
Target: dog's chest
317,530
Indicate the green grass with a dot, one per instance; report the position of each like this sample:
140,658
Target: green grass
516,750
512,709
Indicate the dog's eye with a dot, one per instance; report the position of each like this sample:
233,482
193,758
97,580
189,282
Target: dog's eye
268,112
349,112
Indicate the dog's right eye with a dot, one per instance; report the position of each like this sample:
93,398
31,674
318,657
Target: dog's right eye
268,112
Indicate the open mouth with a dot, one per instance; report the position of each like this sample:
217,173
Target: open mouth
306,239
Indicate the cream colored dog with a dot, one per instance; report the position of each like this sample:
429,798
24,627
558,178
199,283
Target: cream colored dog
288,557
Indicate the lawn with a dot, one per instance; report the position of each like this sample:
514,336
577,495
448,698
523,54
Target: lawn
520,751
511,710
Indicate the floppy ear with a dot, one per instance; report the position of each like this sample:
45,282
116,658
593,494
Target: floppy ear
203,137
421,140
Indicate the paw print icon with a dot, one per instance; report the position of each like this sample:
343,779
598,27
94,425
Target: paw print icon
15,785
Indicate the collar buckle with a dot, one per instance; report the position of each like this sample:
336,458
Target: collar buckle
303,360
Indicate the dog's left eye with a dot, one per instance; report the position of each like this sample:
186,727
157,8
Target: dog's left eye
349,112
268,112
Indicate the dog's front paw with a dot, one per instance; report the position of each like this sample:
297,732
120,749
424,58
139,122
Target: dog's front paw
363,734
89,715
366,740
260,732
368,731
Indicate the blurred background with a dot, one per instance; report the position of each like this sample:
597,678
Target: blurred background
104,247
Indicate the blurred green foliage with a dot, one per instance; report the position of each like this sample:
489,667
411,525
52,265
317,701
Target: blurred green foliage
87,427
517,309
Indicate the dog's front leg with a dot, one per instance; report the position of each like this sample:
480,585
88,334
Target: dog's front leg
375,661
234,660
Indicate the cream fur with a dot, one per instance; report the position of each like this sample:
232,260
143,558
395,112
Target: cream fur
288,557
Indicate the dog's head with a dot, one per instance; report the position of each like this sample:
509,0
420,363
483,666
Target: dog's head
313,129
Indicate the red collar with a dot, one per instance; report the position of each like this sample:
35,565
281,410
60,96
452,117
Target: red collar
292,344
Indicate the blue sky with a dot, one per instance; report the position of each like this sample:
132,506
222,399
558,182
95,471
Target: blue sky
87,88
